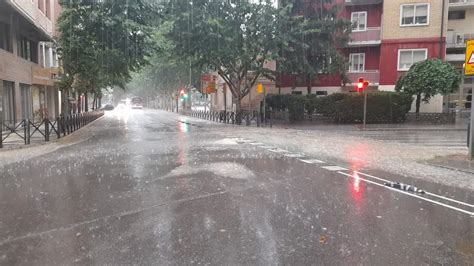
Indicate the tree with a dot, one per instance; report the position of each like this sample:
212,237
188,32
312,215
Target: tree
428,78
318,33
165,74
102,41
235,38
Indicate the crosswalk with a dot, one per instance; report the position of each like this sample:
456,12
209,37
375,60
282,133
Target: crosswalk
446,139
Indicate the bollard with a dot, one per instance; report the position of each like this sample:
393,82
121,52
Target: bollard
46,129
468,133
1,132
271,117
27,131
258,119
58,128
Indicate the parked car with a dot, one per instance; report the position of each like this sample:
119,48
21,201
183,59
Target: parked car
137,103
109,107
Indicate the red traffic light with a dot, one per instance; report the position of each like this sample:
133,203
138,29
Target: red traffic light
181,92
362,85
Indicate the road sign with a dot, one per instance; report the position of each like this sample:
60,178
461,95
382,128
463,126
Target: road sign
469,64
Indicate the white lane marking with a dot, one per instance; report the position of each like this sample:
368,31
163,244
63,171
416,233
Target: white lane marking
266,147
334,168
311,161
409,194
449,199
255,143
277,150
426,192
294,155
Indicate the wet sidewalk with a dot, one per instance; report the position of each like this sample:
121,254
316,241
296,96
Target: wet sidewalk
457,162
373,127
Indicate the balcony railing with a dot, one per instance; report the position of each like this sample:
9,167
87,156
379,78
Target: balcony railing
371,36
373,76
461,1
362,2
458,38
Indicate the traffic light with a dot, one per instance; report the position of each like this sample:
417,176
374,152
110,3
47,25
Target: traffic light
362,85
183,94
259,88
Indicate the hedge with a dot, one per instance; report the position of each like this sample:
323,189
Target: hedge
345,107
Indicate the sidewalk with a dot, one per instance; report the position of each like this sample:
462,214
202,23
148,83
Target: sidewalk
373,127
457,162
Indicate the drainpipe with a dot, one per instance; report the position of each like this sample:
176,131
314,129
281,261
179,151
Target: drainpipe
442,30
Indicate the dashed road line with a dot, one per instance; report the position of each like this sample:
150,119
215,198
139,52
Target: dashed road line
278,150
356,174
255,143
294,155
311,161
266,147
334,168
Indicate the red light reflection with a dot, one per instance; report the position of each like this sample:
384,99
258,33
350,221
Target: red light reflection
357,190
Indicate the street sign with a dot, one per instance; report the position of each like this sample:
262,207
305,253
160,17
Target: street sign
208,83
469,64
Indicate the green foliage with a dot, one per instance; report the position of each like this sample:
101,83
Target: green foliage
345,107
313,47
235,38
102,42
238,39
428,78
165,74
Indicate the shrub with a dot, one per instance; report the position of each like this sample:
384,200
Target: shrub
345,107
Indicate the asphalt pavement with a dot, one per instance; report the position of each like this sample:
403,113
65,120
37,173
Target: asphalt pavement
152,188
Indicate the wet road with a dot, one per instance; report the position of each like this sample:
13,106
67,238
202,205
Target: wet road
157,189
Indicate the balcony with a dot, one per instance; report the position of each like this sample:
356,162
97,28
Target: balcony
373,76
43,75
458,39
369,37
461,4
362,2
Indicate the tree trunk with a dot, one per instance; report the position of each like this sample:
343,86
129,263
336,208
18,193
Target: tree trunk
418,103
86,102
238,108
308,84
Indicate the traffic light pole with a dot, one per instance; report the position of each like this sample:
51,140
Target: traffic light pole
365,109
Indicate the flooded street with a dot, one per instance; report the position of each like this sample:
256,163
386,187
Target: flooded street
150,187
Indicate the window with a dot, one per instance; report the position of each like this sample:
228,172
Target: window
460,14
356,62
414,15
359,21
8,102
27,49
5,38
406,58
47,9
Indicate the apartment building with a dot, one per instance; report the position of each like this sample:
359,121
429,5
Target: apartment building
460,29
28,60
389,36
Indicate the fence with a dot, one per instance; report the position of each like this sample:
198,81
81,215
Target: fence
229,117
27,129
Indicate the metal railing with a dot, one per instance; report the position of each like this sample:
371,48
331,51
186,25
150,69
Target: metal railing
229,117
461,1
369,36
459,38
373,76
26,130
